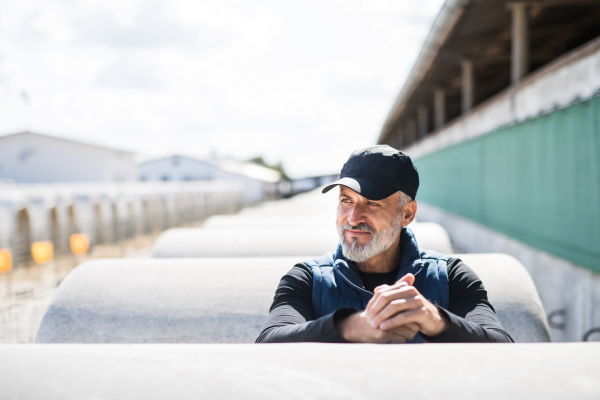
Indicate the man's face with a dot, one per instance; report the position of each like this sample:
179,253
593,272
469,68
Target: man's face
367,227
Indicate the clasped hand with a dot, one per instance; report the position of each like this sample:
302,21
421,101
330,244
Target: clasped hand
394,315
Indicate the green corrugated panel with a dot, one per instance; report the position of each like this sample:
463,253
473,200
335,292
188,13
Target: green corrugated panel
538,182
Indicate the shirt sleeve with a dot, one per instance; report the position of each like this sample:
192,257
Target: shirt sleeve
292,317
472,318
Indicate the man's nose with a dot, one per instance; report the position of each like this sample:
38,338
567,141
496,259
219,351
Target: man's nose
356,216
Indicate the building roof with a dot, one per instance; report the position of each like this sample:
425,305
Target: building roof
245,169
443,24
25,133
480,31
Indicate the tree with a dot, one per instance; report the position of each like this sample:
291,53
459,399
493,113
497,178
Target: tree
259,160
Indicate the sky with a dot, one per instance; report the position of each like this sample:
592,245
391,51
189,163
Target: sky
299,82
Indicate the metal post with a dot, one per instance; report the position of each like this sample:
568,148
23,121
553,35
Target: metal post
411,132
423,118
439,106
400,138
468,86
520,42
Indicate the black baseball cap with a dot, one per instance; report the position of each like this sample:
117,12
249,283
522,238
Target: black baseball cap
377,172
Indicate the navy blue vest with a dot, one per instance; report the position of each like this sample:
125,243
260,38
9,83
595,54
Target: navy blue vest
337,283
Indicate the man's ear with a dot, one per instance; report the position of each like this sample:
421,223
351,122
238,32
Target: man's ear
408,212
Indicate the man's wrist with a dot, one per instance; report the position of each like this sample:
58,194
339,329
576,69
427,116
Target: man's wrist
344,326
442,325
341,321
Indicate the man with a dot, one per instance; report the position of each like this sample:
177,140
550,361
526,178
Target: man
379,287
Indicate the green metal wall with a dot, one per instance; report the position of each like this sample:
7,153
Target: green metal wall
538,181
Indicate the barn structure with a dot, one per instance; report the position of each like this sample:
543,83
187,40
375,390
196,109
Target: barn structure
501,115
28,157
259,182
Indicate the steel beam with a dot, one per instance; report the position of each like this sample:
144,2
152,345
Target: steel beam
467,86
439,105
520,42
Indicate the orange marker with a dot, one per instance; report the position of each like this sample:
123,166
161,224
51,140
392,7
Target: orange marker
80,243
6,263
42,251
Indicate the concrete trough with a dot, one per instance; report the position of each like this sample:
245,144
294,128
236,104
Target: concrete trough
301,371
244,242
309,204
276,238
274,222
429,234
226,300
209,300
432,236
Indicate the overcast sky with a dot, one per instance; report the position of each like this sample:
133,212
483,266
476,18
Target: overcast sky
302,82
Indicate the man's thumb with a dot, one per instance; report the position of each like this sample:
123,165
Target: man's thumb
408,278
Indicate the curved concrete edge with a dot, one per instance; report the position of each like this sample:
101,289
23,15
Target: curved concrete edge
204,300
432,236
513,294
226,300
276,241
244,242
240,221
350,371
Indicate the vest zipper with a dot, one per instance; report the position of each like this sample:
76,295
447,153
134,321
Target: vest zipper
352,284
364,290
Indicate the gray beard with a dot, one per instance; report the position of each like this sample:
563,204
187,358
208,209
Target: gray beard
379,243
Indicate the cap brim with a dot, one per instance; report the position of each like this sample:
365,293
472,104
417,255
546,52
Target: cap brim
364,187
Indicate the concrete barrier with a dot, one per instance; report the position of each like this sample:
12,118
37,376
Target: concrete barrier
271,240
431,236
513,295
301,371
226,300
274,222
244,242
209,300
313,203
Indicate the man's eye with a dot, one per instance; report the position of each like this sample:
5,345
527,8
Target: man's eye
373,204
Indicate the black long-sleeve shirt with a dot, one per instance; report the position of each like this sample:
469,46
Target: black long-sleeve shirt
292,318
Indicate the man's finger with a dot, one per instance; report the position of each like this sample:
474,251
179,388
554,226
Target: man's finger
380,288
414,315
409,279
402,335
406,280
394,307
412,326
381,299
408,331
383,288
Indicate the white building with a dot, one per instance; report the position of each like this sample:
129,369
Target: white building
28,157
259,182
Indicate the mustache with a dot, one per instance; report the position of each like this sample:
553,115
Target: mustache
363,226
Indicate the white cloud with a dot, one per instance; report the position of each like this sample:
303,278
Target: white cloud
126,73
301,82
